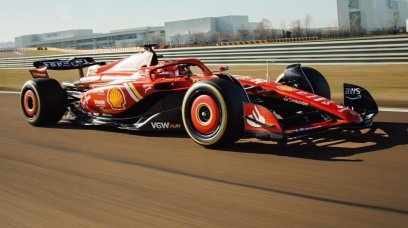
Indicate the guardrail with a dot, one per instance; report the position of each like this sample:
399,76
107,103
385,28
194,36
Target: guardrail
380,51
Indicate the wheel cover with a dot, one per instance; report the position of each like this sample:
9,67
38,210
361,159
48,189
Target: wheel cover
30,103
205,114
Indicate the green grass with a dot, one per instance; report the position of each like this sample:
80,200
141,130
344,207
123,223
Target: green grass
13,80
387,83
41,52
28,53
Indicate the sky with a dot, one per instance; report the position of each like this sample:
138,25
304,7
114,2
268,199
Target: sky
24,17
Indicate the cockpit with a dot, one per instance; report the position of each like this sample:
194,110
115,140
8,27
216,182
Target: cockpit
145,66
132,63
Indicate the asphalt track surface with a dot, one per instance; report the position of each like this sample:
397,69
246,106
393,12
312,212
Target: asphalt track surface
70,176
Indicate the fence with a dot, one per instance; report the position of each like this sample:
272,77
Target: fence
379,51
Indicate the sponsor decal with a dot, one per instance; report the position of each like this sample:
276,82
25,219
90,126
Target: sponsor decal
84,100
100,91
57,64
256,115
116,99
65,63
240,77
300,92
306,129
165,125
258,80
92,70
100,103
39,73
290,100
341,108
286,88
322,100
147,88
353,93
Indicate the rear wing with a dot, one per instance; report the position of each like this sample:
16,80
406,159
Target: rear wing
41,67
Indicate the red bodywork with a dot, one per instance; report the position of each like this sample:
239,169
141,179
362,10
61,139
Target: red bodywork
115,88
116,91
296,96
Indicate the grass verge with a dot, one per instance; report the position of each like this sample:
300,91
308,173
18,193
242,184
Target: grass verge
28,53
41,52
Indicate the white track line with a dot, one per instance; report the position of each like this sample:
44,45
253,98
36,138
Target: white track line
9,92
393,110
402,110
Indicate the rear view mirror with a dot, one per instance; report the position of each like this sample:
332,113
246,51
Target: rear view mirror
223,68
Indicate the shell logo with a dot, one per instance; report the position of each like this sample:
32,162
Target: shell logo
116,99
286,88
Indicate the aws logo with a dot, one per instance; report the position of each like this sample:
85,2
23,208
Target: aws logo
116,99
352,93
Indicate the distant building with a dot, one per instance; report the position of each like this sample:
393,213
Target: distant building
86,39
29,40
254,25
185,31
192,31
7,45
372,15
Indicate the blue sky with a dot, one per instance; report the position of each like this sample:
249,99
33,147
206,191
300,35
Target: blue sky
22,17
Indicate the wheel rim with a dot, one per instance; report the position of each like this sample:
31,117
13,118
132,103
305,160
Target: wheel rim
205,115
30,103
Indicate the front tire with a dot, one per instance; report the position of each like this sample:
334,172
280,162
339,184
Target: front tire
43,101
317,81
213,113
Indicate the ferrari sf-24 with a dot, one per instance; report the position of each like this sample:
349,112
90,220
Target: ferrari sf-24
143,93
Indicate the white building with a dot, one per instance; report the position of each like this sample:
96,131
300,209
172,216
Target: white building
179,32
372,15
86,39
175,32
27,40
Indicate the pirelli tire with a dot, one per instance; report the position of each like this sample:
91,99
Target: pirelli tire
212,112
43,101
318,81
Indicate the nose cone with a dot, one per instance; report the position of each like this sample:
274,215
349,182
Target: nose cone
352,116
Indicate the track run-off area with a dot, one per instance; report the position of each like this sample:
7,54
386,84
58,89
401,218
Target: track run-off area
70,176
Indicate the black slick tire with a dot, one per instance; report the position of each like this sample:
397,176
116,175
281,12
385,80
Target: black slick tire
212,112
43,101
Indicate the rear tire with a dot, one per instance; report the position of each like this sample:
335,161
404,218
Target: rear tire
213,112
43,101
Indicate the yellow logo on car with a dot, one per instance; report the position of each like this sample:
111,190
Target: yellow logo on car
286,88
116,99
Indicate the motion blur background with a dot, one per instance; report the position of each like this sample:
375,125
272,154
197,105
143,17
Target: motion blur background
72,176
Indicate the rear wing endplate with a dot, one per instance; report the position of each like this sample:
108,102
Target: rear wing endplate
70,64
41,67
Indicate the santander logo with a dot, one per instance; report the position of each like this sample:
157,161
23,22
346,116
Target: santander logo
256,115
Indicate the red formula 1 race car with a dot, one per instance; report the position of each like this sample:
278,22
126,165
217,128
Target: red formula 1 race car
215,109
